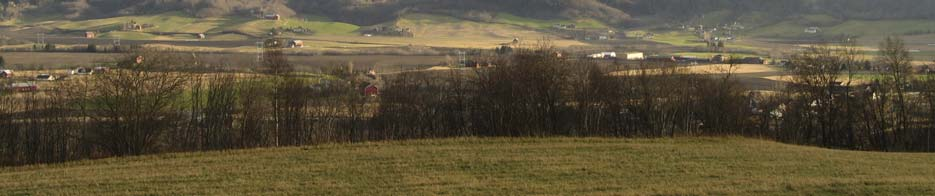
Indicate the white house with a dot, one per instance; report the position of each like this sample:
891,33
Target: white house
603,55
812,30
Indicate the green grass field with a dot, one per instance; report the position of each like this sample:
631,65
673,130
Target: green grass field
178,22
868,31
559,166
506,18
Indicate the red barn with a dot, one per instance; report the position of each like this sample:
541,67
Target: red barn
371,90
25,87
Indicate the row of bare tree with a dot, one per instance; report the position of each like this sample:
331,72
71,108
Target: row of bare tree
154,103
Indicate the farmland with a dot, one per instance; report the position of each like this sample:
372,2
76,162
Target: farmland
494,166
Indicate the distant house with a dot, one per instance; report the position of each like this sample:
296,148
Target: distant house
100,70
6,73
24,87
82,71
45,77
90,35
717,59
273,17
371,90
752,60
296,44
201,36
812,30
603,55
635,56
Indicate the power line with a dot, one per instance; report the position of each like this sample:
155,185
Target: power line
259,53
40,39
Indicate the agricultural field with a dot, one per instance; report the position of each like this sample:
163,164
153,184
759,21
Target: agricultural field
383,63
682,166
430,31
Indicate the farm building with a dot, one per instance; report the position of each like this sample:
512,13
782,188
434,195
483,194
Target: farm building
273,17
812,30
296,44
6,73
718,58
635,56
603,55
752,60
82,71
90,35
24,87
201,36
371,90
45,77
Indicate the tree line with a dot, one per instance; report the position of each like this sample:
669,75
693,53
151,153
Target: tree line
155,102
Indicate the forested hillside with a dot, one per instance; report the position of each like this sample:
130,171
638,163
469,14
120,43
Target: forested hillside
376,11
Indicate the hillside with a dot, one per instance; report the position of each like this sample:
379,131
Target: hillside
368,12
494,166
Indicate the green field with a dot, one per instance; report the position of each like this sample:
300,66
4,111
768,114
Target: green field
177,22
510,19
868,31
694,166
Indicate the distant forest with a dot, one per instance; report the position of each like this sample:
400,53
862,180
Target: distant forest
375,11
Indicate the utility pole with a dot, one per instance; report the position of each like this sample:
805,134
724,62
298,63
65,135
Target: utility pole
40,39
259,53
462,58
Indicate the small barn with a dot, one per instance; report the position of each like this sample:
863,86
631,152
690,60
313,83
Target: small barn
296,44
273,17
753,60
45,77
90,35
603,55
24,87
371,90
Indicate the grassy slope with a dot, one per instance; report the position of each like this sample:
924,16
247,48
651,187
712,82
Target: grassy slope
495,166
183,23
443,31
510,19
430,30
870,30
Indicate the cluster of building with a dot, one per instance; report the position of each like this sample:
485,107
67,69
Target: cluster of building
632,56
31,84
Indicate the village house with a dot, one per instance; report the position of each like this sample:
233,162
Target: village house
273,17
635,56
812,30
90,35
603,55
45,77
24,87
296,44
6,73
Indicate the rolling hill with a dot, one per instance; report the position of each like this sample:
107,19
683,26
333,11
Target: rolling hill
683,166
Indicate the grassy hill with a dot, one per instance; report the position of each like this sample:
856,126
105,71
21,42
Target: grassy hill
494,166
177,22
